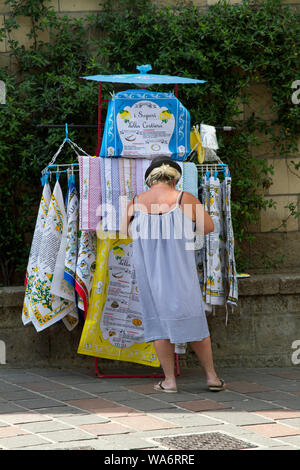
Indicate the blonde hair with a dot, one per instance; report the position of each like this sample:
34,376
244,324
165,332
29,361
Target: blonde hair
164,173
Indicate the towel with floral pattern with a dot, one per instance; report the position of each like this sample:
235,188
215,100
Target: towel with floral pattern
32,265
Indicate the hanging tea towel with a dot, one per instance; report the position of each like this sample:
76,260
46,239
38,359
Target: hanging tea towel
139,176
113,328
190,178
215,266
208,137
85,267
35,249
71,320
72,235
90,192
63,282
231,274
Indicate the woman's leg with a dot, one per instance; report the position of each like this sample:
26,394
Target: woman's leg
203,351
166,356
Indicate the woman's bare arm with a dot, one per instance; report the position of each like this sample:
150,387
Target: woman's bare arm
194,209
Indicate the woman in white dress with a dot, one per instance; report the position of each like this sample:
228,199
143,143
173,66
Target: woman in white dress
162,223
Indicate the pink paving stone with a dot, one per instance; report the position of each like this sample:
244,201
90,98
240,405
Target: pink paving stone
105,429
145,389
146,423
273,430
95,405
119,410
247,387
11,431
288,374
43,386
279,414
202,405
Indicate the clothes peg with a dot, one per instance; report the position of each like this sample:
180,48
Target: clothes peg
215,175
57,173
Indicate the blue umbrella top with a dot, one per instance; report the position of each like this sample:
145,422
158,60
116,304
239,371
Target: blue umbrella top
143,78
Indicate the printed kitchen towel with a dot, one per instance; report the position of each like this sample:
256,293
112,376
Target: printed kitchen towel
32,265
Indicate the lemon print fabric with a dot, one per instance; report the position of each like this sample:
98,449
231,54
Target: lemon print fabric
113,328
124,114
165,115
118,252
196,144
214,246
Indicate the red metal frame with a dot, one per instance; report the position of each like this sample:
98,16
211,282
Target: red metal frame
97,372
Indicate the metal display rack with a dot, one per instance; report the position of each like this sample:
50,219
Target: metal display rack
141,80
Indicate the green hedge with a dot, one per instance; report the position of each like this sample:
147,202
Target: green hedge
229,46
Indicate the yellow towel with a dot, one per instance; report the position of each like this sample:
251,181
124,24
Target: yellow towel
113,325
196,144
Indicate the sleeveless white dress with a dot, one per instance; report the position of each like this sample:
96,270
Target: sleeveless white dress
166,275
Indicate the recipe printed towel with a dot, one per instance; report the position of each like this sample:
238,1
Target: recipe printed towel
85,267
113,328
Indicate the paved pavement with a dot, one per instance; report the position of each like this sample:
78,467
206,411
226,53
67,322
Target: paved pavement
49,409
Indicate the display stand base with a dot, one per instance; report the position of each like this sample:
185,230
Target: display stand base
100,375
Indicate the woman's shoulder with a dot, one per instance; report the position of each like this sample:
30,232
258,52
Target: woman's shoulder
189,198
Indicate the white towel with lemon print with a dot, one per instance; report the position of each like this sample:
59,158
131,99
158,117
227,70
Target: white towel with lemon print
85,267
113,328
230,266
201,257
46,308
32,265
215,246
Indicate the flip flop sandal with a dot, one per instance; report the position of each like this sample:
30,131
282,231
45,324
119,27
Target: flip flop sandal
217,388
160,388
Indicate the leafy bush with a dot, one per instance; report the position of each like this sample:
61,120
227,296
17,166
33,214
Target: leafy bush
229,46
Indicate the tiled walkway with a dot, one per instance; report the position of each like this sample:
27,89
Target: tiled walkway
48,409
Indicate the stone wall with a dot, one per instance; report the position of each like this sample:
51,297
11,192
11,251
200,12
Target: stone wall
259,333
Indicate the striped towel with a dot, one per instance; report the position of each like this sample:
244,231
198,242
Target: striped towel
90,192
139,176
113,182
190,178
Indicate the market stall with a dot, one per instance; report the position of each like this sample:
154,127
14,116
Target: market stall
80,270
